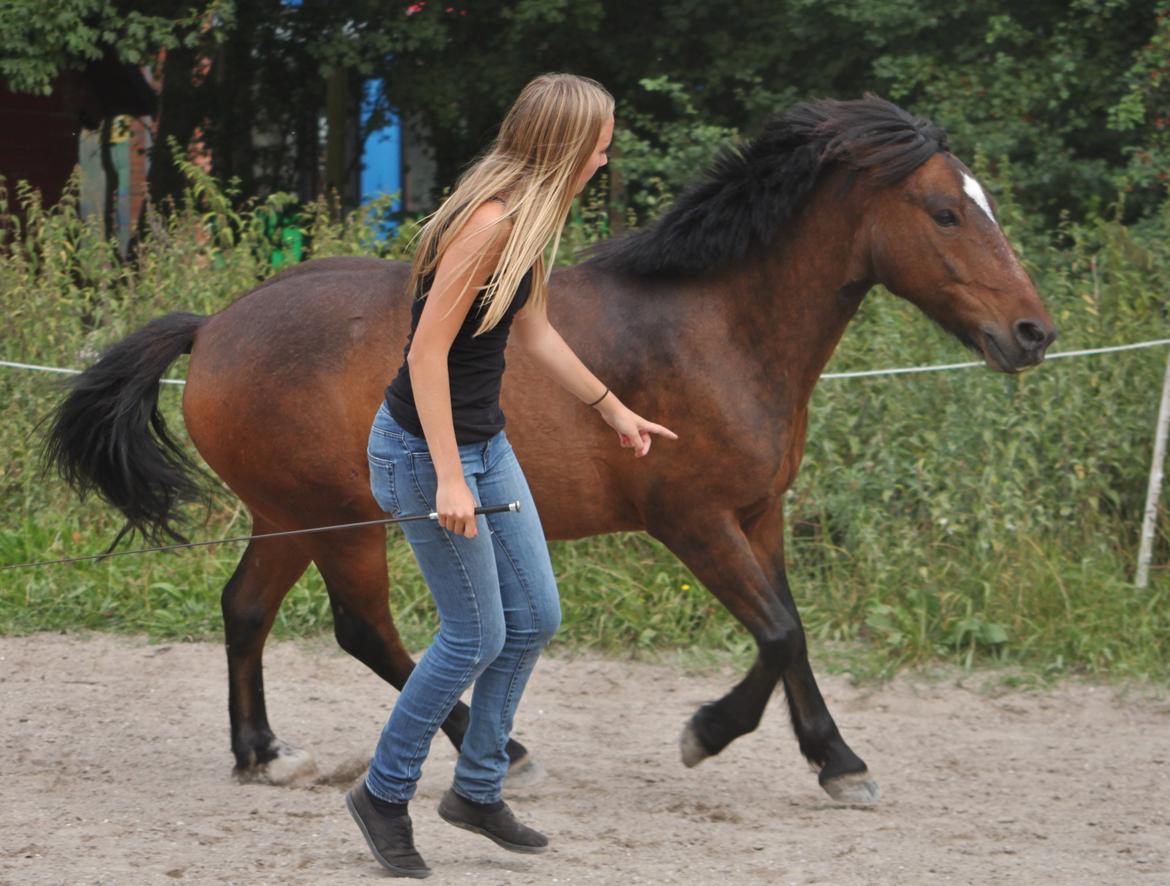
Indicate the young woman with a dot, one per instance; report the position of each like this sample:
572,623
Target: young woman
438,443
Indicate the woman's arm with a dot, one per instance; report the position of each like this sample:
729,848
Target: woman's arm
466,265
536,335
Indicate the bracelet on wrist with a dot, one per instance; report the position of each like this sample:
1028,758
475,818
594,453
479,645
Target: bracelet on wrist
602,397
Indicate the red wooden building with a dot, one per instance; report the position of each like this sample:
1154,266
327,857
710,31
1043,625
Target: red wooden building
41,136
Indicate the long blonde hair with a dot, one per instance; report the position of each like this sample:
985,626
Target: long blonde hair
543,145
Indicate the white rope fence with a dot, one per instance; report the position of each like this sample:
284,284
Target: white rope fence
864,373
940,367
58,369
1153,494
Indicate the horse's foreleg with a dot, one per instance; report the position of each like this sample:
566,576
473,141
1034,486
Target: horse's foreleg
266,572
717,724
354,569
840,771
722,556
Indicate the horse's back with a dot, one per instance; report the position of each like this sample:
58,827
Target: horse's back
283,385
292,321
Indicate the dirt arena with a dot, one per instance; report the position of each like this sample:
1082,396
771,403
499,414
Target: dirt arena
116,770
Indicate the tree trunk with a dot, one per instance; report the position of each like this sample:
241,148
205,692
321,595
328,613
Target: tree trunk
110,185
308,160
336,108
179,114
230,131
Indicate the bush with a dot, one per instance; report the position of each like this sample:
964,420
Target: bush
964,515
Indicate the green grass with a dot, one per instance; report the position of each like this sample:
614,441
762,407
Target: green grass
963,518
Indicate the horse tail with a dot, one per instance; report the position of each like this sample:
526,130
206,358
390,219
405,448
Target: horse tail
109,435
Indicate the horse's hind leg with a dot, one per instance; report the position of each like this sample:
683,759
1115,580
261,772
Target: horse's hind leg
754,588
353,565
266,572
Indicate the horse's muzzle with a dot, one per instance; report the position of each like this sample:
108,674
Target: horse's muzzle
1023,348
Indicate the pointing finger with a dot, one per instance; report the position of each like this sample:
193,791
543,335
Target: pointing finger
665,432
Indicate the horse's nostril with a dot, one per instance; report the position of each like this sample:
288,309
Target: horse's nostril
1030,335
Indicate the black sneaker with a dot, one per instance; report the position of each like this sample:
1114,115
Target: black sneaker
390,839
500,826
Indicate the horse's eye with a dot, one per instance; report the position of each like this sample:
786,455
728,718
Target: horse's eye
945,219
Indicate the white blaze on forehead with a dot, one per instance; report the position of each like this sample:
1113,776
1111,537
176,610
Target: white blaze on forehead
973,190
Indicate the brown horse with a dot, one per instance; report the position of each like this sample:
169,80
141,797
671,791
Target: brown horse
717,322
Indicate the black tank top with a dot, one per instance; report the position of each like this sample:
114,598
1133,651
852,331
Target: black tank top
474,366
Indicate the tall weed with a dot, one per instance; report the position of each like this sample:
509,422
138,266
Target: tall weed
964,516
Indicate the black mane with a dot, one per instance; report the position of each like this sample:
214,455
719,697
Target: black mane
750,191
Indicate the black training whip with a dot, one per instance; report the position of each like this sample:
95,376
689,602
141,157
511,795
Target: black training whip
433,515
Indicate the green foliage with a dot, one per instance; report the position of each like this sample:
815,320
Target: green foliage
966,517
39,41
1143,113
1028,82
659,159
1074,95
65,295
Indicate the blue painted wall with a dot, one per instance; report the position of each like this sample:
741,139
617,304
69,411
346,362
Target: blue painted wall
381,154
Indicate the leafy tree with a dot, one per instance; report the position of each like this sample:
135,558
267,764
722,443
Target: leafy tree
1143,113
39,41
1071,95
1037,83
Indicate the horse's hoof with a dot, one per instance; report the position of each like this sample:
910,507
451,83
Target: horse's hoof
854,788
289,766
692,750
524,773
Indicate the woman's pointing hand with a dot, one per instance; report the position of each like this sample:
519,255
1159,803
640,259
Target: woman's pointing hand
634,431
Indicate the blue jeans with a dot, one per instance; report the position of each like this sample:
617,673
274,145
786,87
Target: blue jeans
498,607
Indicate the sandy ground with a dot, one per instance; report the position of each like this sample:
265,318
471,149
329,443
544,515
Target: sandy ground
115,770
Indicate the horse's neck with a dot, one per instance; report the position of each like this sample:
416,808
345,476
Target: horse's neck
812,290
